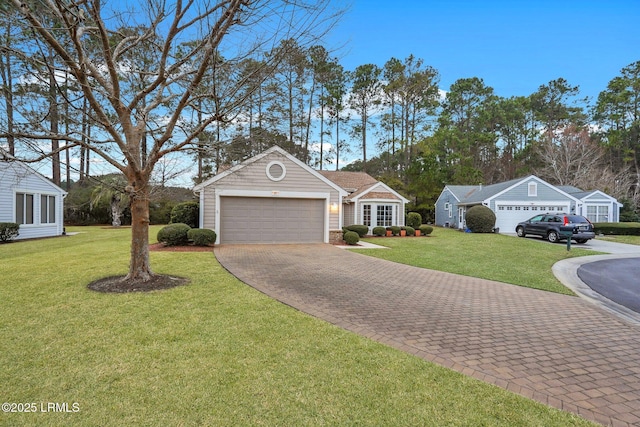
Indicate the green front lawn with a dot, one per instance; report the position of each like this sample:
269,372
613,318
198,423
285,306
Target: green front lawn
525,262
212,353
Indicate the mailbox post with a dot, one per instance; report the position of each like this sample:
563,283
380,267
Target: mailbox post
567,232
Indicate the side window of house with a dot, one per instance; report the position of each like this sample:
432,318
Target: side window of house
47,209
366,215
24,208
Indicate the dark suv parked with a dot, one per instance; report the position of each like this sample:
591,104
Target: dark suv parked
556,227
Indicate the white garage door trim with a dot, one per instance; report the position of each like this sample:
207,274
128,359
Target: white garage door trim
271,194
507,219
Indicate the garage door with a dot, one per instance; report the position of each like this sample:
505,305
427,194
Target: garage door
271,220
509,215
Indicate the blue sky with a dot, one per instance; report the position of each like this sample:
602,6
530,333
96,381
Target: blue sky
514,46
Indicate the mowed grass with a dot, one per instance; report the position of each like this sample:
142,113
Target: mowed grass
212,353
524,262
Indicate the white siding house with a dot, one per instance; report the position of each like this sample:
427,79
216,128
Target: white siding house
31,200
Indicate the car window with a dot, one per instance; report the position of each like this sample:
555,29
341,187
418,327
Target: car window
576,219
536,218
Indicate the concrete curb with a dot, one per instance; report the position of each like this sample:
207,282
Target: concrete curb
566,271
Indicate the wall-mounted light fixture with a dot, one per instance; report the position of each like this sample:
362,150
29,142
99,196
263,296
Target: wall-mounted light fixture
333,207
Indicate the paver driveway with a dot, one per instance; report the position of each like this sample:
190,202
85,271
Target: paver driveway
556,349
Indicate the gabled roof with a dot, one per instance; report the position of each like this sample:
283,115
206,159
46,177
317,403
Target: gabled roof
350,181
570,189
250,161
583,195
469,194
11,162
359,184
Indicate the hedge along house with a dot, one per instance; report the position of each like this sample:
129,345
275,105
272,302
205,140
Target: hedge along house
520,199
271,198
31,200
369,201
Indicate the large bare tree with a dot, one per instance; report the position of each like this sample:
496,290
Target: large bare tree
138,104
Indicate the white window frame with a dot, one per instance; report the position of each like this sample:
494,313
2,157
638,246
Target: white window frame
394,210
367,221
47,208
22,221
532,189
599,213
388,215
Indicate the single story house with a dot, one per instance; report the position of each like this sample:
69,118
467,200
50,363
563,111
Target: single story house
31,200
274,197
519,199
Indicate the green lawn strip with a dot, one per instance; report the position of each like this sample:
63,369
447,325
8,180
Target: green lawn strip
631,240
524,262
214,352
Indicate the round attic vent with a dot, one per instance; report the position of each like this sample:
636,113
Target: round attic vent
276,171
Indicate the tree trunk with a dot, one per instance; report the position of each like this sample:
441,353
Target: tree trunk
139,267
54,118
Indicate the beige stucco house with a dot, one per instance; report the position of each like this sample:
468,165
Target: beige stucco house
275,198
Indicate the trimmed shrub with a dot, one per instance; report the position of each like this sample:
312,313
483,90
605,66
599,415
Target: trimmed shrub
480,219
414,219
174,234
351,237
379,231
362,230
395,230
202,236
410,230
186,213
426,229
617,228
8,230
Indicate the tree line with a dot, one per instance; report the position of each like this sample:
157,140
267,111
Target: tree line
299,97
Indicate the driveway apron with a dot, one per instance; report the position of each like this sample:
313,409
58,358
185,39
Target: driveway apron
555,349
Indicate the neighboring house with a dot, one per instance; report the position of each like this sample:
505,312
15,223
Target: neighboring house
31,200
519,199
275,198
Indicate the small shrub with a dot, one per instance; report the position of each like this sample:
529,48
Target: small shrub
8,231
617,228
414,219
362,230
186,213
395,230
410,230
379,231
202,236
174,234
351,237
426,229
480,219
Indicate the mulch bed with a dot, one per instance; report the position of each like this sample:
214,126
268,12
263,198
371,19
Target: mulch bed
160,247
116,284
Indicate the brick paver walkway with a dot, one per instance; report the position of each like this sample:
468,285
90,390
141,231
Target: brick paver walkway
556,349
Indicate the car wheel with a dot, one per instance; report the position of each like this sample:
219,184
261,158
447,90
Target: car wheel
581,241
520,232
553,236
